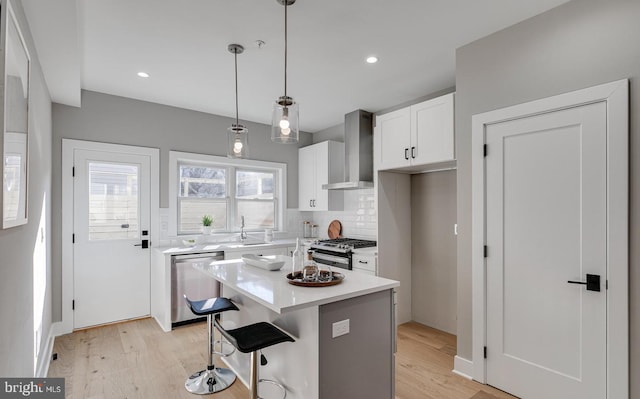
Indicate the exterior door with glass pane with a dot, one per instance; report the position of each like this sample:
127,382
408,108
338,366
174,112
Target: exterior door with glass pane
111,220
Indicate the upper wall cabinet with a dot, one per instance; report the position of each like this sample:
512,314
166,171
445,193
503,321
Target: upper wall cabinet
319,164
415,136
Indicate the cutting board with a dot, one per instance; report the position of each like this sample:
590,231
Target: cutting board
335,229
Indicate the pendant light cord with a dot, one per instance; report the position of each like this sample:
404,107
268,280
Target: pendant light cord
235,56
286,2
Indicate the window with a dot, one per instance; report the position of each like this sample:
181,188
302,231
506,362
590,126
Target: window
227,190
113,201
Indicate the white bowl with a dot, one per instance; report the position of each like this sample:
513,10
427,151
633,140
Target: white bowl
189,243
264,262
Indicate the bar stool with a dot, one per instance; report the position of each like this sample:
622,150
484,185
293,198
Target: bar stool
251,339
212,379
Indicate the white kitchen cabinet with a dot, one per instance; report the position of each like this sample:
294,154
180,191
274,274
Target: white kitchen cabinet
367,264
319,164
392,136
421,134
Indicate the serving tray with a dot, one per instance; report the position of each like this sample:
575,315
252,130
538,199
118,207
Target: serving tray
296,279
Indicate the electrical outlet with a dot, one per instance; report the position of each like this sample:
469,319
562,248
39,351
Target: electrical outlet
340,328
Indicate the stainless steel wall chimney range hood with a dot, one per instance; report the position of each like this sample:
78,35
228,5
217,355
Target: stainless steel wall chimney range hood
358,152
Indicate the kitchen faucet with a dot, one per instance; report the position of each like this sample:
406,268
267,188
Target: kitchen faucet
243,234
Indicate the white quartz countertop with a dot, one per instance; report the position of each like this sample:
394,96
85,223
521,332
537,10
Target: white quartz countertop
272,290
224,246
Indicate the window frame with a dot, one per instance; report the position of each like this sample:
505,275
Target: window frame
279,170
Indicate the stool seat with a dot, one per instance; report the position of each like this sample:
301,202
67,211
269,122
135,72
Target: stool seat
254,336
251,339
210,306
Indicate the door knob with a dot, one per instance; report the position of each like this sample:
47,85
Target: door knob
592,283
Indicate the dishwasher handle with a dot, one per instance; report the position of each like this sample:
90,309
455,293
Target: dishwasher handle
206,255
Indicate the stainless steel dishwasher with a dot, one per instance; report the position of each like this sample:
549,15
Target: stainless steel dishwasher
185,279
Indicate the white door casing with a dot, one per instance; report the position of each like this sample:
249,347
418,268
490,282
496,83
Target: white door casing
614,98
546,225
102,291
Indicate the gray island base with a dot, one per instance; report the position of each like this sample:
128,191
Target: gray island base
345,334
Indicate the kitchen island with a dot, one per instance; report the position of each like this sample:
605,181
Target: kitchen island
345,334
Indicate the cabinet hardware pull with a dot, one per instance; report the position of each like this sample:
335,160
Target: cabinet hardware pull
406,154
310,203
413,152
362,261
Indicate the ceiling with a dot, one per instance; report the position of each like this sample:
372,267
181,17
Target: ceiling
100,45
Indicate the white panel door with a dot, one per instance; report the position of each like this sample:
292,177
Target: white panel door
393,130
546,225
111,218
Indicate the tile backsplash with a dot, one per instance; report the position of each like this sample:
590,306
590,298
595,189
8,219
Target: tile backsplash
359,218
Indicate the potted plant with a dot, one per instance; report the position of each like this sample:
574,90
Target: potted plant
207,224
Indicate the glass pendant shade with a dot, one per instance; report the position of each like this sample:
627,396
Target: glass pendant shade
284,122
238,142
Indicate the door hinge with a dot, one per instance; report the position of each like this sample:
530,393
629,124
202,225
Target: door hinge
73,171
485,352
73,238
73,306
606,284
485,150
486,251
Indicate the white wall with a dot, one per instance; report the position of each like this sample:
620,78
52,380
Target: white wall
579,44
25,285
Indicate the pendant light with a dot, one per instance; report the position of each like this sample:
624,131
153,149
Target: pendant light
238,135
284,123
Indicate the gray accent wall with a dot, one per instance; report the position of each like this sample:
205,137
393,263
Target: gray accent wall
25,264
433,250
370,373
112,119
579,44
335,133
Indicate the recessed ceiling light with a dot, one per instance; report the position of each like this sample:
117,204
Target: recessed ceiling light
143,74
372,59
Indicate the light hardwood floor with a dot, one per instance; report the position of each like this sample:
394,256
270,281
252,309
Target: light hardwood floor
137,359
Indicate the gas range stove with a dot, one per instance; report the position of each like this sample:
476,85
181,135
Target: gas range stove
342,245
338,251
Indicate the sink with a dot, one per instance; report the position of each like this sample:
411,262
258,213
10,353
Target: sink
246,244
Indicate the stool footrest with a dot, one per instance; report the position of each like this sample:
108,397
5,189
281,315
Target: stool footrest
220,352
272,382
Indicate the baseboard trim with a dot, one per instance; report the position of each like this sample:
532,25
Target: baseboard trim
44,359
463,367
